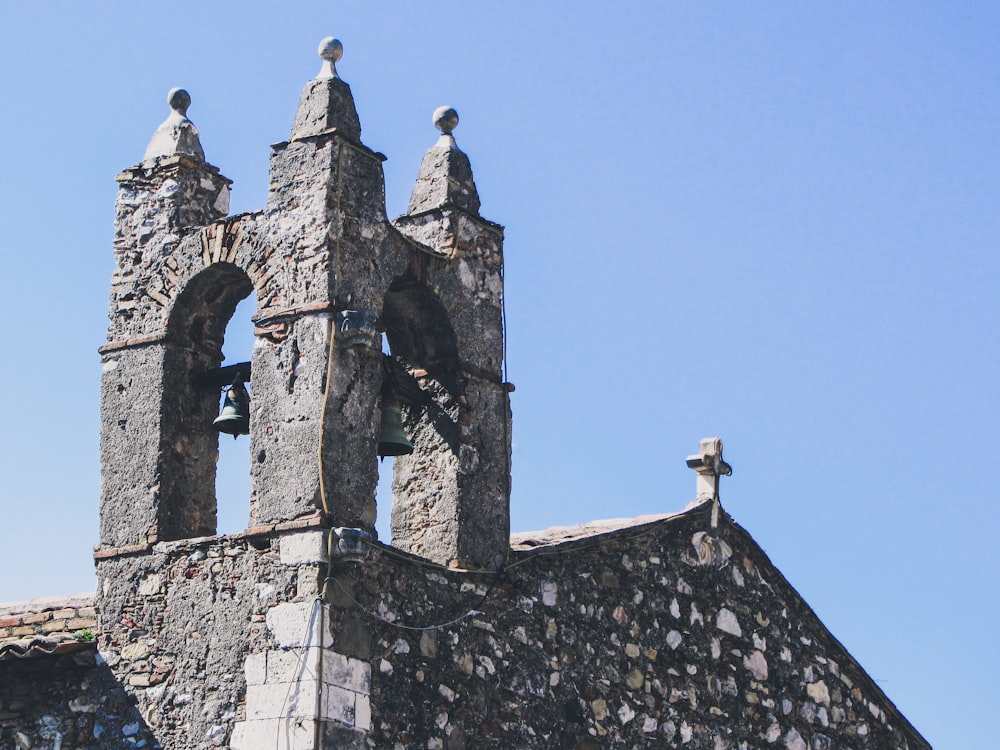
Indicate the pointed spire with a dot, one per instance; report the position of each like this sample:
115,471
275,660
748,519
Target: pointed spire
445,177
326,101
177,135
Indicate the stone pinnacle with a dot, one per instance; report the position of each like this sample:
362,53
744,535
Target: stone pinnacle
177,135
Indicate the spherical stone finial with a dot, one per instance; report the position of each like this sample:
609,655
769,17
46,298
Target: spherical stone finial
445,119
330,50
179,101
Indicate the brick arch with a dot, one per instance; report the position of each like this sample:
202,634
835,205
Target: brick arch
203,308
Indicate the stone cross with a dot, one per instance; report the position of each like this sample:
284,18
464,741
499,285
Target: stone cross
710,466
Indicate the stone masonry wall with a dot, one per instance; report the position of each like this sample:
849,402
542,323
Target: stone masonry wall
178,619
662,634
655,636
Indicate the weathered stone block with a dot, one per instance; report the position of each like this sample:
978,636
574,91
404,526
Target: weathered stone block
345,672
303,547
280,700
298,624
338,705
268,734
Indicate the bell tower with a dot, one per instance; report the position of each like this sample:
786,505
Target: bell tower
332,275
223,639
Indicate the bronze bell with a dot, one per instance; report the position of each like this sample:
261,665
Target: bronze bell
392,440
234,419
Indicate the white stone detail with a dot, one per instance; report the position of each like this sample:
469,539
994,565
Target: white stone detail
363,713
294,700
726,621
819,692
625,713
794,741
338,705
696,617
345,672
674,639
773,732
273,734
303,547
150,585
291,666
757,665
686,732
255,668
222,201
550,590
297,624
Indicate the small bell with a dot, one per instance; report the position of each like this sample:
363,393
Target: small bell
234,419
392,440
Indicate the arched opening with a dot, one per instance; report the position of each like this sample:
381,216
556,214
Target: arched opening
197,329
423,347
232,475
383,490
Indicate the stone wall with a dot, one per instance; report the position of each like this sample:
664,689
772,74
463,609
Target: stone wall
662,635
178,620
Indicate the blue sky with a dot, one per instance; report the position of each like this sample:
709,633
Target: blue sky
772,222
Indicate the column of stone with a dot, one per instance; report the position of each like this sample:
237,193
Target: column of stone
315,373
157,476
460,516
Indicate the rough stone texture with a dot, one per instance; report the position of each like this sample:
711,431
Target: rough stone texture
445,179
177,135
49,618
631,637
616,640
326,103
177,621
59,702
451,496
53,692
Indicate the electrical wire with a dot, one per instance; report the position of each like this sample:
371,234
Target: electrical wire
317,608
423,628
331,342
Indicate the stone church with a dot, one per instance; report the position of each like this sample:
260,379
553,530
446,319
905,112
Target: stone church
376,337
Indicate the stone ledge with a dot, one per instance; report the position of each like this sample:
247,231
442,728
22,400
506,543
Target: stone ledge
314,521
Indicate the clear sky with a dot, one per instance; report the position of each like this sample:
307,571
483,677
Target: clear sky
773,222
